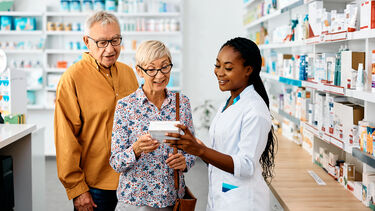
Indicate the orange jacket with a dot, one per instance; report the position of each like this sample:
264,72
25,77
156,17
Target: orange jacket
85,105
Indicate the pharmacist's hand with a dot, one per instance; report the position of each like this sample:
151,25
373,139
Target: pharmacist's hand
176,161
145,144
84,202
186,142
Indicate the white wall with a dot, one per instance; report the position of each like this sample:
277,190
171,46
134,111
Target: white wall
208,24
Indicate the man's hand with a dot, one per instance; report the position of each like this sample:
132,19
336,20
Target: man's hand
84,202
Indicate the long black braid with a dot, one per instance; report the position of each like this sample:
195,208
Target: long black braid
250,53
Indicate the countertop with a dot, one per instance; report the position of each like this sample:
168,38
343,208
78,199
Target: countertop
295,189
10,133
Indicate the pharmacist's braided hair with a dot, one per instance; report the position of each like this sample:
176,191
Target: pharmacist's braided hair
250,53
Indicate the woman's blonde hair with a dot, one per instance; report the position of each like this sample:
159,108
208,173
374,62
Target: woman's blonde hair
151,50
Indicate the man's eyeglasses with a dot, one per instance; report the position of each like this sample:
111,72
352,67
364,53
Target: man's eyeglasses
153,72
104,43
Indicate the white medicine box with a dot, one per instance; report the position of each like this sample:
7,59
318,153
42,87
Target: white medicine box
157,129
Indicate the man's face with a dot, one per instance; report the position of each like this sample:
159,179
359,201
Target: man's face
106,56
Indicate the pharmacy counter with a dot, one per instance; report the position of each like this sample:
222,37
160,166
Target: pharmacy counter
296,189
25,144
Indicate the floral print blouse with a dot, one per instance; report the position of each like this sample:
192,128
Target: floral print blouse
148,180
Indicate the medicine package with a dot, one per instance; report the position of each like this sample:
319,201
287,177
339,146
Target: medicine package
157,129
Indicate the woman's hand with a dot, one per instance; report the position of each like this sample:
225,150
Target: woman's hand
186,142
145,144
176,161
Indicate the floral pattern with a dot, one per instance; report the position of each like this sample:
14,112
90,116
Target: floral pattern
147,180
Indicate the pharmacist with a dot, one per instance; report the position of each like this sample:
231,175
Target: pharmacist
85,103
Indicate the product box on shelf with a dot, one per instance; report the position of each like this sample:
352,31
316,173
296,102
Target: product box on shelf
6,23
315,10
348,115
349,62
307,140
24,24
367,15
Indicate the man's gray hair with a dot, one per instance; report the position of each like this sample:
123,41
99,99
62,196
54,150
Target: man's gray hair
100,17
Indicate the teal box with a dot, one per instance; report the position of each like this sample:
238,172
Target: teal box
24,24
6,23
6,5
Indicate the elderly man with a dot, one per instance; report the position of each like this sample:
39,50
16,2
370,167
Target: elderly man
85,103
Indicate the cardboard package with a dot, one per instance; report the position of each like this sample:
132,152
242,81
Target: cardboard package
349,62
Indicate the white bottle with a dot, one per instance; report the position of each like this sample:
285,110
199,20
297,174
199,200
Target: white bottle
360,78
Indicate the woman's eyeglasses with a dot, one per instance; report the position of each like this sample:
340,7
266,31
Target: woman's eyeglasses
153,72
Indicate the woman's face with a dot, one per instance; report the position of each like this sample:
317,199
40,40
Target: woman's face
231,74
160,80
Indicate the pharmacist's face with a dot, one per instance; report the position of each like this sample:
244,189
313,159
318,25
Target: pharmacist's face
106,56
160,81
232,75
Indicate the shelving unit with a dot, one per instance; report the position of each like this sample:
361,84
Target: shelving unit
57,47
358,41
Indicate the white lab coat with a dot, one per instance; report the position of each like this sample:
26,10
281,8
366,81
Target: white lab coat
241,131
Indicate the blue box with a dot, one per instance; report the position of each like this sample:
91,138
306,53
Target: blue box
24,24
6,23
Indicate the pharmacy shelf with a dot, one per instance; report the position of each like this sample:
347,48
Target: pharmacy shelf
35,107
282,45
63,51
289,117
278,12
23,51
291,5
85,14
325,136
324,88
337,90
72,33
31,69
364,157
350,36
159,14
38,88
37,32
250,2
265,75
67,14
50,89
140,33
19,13
362,95
55,70
263,19
289,81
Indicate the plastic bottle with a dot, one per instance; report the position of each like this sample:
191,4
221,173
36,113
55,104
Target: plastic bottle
337,78
360,77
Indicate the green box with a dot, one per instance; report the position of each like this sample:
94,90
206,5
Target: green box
6,5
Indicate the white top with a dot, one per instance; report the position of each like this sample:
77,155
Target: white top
240,131
10,133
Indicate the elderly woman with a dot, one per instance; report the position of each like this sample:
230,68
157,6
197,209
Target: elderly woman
146,166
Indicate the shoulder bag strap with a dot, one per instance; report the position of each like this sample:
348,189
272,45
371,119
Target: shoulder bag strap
176,172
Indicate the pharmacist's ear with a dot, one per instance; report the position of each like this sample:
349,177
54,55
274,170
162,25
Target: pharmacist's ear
248,71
